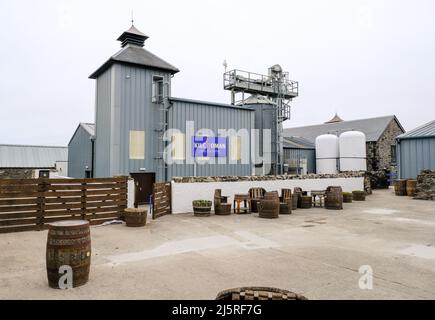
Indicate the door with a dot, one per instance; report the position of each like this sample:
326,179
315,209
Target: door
143,187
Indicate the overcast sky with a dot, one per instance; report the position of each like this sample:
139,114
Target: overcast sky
358,58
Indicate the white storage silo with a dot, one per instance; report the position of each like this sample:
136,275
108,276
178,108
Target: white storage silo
327,153
352,151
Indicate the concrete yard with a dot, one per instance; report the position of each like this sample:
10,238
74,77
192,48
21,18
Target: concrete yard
315,252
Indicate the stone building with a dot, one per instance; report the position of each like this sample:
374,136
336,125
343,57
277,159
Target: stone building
381,133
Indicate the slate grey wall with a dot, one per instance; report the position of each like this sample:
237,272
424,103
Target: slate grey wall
414,155
79,153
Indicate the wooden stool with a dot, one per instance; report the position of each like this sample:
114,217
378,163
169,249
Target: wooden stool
238,198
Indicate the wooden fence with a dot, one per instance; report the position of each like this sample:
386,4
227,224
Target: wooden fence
30,204
161,199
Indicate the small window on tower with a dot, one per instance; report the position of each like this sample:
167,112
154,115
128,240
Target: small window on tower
393,154
157,89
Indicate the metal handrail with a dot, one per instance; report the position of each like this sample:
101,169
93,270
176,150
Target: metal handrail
255,80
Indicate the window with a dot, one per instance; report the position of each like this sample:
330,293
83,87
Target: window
88,174
178,151
393,154
137,145
236,148
157,94
44,173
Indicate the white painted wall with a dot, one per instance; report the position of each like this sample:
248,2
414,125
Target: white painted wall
130,193
184,193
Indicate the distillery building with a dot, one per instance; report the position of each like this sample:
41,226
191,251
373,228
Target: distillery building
143,131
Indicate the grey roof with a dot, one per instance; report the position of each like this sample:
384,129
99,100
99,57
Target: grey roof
88,127
132,30
373,128
297,143
28,156
426,130
135,55
208,103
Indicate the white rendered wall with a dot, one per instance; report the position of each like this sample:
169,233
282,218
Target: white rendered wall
184,193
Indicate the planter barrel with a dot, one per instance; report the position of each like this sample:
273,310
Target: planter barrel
201,208
135,217
359,195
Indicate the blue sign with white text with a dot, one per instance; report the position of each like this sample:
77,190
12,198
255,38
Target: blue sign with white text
209,146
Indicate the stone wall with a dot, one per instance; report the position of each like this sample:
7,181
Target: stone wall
425,185
384,144
8,173
350,174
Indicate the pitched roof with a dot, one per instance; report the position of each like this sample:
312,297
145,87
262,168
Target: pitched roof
336,118
426,130
29,156
135,55
297,143
373,128
88,127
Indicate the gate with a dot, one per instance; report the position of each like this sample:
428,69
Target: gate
31,204
161,200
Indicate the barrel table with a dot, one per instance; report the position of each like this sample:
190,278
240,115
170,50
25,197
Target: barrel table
269,205
334,198
306,202
68,247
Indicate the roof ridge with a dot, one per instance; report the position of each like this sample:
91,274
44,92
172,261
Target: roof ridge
30,145
344,121
411,132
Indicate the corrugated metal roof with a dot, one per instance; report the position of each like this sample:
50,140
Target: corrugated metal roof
89,127
297,143
214,104
426,130
27,156
371,127
138,56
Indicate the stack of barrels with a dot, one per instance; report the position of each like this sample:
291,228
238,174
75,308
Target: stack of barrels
334,198
269,205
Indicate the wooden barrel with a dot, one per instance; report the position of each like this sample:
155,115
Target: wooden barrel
347,197
411,186
135,217
269,205
286,207
68,244
400,187
359,195
297,192
306,202
334,198
295,199
258,293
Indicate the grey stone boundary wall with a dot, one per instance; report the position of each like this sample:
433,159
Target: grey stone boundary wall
350,174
